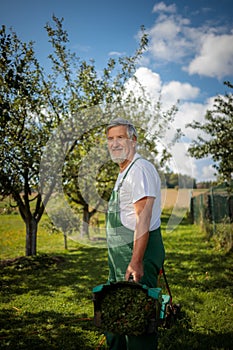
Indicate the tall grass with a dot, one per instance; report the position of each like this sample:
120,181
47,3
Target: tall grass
46,301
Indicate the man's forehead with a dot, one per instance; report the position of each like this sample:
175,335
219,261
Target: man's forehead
118,129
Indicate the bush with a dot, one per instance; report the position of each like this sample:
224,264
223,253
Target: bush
224,235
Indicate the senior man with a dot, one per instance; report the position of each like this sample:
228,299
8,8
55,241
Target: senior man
135,246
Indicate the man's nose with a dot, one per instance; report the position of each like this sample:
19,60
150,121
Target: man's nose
115,143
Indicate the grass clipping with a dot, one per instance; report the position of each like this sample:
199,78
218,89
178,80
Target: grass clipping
128,310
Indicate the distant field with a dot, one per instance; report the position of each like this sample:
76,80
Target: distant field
178,198
170,198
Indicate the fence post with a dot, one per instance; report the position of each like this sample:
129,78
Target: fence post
212,209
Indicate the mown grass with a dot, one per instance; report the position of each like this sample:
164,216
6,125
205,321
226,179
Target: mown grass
46,301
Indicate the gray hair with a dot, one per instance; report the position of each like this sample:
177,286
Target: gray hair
131,131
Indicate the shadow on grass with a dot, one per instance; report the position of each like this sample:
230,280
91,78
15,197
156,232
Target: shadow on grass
81,269
47,330
54,330
198,270
45,280
182,338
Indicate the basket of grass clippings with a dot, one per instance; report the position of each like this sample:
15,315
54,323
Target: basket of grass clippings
127,308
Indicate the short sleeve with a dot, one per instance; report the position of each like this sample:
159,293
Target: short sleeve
144,181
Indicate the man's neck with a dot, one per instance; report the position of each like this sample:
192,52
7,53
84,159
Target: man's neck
126,162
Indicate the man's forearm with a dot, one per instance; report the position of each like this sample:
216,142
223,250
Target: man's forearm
135,267
139,246
143,210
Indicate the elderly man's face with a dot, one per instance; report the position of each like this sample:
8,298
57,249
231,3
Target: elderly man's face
121,148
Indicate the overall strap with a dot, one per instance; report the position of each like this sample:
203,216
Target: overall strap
122,180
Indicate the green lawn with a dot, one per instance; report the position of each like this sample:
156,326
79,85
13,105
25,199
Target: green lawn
46,301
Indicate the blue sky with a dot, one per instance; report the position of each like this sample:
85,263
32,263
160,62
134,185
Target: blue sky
189,57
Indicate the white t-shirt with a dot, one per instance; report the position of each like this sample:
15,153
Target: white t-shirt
141,181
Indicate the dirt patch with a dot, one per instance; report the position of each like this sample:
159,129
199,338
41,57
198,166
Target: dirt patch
40,261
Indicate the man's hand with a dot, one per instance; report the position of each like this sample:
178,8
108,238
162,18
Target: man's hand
136,270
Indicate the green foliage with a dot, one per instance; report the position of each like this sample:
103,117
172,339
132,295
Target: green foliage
212,210
24,128
222,234
22,122
218,139
67,110
80,84
33,104
91,98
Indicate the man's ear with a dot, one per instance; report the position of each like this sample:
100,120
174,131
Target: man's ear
134,139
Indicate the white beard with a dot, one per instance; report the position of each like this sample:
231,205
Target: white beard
120,159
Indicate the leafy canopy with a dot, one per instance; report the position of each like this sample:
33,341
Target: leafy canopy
217,141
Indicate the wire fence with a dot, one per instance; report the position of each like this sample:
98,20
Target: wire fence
213,210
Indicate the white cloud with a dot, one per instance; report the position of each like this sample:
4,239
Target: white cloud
149,80
208,173
162,7
205,170
215,58
205,50
168,41
188,112
170,92
116,53
182,163
176,90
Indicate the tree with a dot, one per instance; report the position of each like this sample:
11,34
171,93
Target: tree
174,180
49,122
218,139
24,129
33,104
81,89
85,89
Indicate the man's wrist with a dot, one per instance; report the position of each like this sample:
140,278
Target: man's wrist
136,259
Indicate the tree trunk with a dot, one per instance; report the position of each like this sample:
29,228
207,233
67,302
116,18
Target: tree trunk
31,236
85,222
65,242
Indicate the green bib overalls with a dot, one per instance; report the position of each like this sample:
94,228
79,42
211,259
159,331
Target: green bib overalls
120,247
